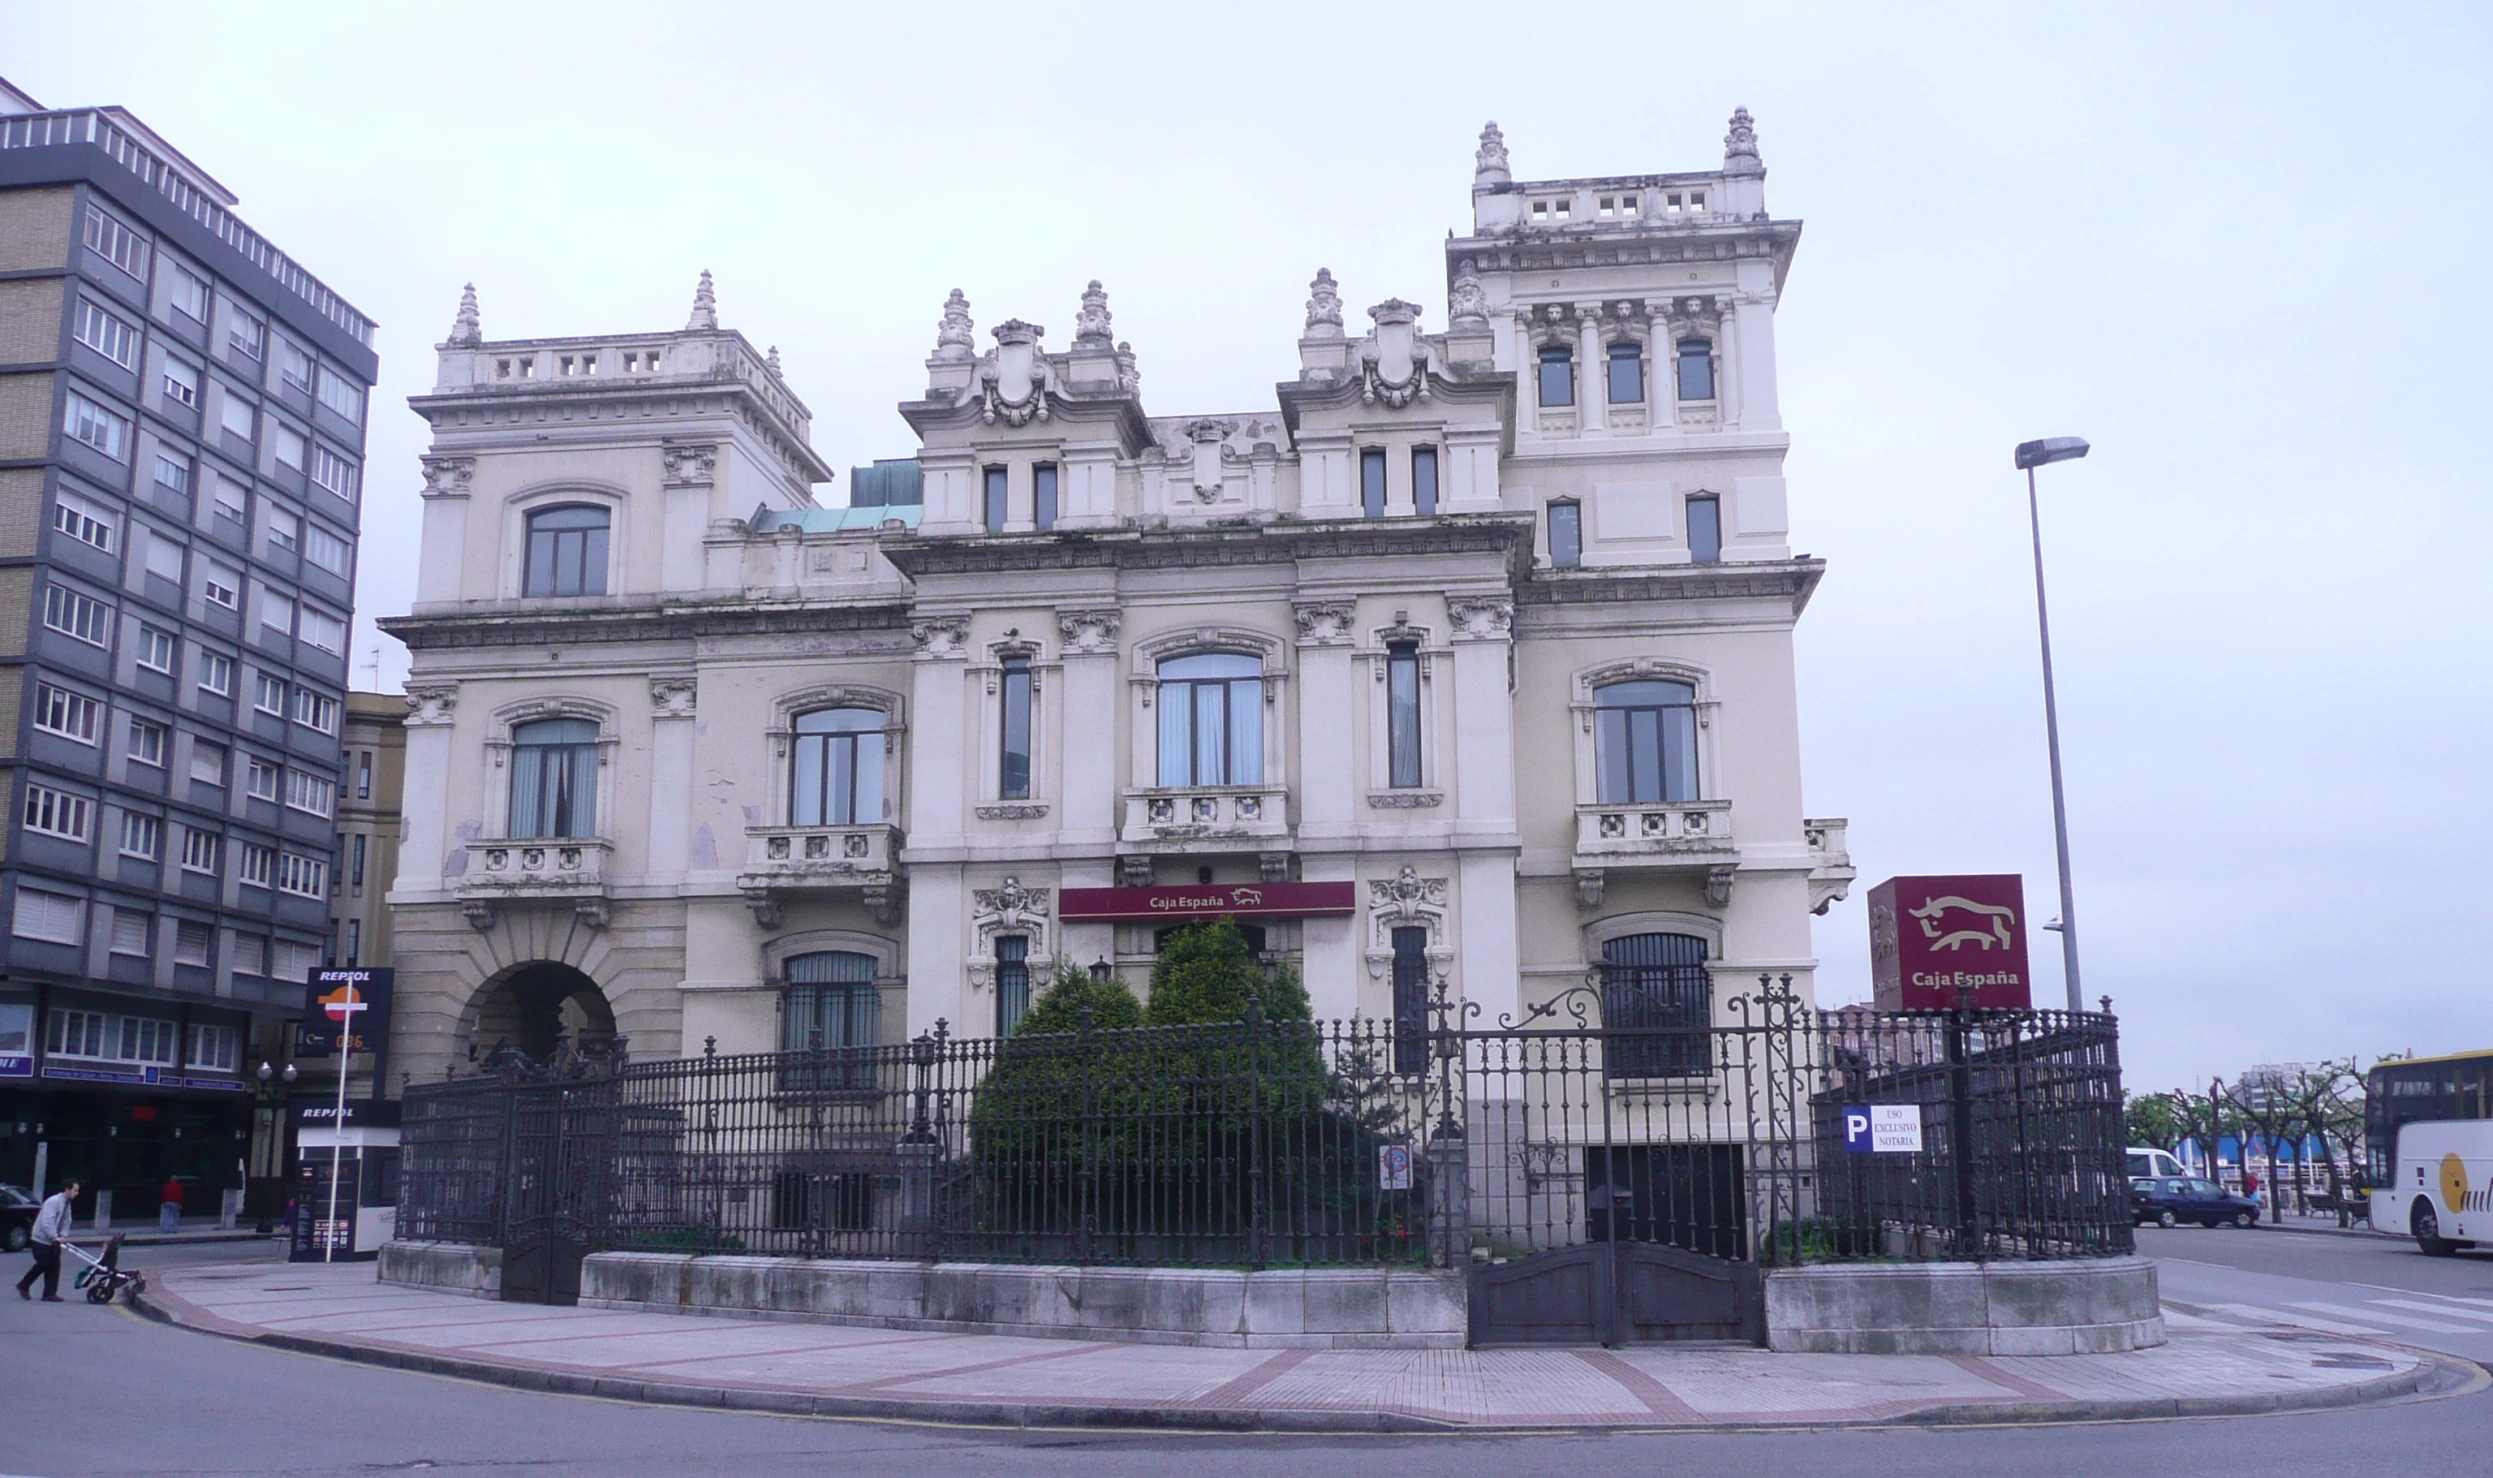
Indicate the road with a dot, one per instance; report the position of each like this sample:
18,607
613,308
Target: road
2362,1283
103,1391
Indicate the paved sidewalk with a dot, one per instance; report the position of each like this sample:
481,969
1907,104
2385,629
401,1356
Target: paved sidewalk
831,1370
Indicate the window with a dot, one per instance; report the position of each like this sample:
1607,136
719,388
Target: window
322,630
164,557
148,742
1043,496
70,715
1696,369
292,449
97,427
81,616
130,932
337,474
110,1038
1645,742
1012,981
141,836
259,864
181,385
221,586
250,955
229,498
295,961
1410,1000
1212,719
566,551
363,776
55,917
106,334
326,549
306,791
236,417
1013,764
1627,375
285,531
115,243
244,334
1656,1006
1372,482
215,1048
294,367
554,779
173,472
354,938
1566,533
268,694
357,852
216,673
191,943
86,522
996,506
57,812
1557,375
314,711
199,852
155,650
72,1033
1705,529
261,780
342,395
1424,478
837,779
189,294
830,1005
145,1039
1402,709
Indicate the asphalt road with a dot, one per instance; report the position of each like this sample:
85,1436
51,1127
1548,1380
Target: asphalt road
102,1391
2362,1283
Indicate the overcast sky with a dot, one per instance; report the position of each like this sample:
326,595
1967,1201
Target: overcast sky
2241,249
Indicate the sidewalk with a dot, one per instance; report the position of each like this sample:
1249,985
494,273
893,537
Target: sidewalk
830,1370
145,1234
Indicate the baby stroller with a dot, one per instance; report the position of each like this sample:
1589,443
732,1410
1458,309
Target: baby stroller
102,1277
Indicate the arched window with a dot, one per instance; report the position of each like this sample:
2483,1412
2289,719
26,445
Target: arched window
1557,375
554,779
830,1005
1657,1003
1644,742
1696,369
836,775
567,551
1627,374
1212,720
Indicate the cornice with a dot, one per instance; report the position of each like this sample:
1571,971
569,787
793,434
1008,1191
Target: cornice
1490,387
477,413
1124,411
1508,535
1780,579
1612,244
505,628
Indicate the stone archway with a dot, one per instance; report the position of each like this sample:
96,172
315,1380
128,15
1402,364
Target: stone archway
542,1008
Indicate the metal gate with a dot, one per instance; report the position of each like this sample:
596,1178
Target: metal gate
558,1150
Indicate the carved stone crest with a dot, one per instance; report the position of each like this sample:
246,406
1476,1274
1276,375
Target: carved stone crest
1324,623
1482,618
691,465
1089,631
1010,909
672,697
941,636
448,477
431,703
1013,378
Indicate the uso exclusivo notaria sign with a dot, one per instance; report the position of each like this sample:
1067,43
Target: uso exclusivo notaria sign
1940,942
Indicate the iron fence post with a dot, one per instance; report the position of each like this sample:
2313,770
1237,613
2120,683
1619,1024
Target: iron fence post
1086,1183
1961,1130
1256,1189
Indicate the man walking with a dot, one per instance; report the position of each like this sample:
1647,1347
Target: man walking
51,1225
169,1210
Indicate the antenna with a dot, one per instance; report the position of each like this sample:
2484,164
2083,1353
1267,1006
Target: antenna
373,661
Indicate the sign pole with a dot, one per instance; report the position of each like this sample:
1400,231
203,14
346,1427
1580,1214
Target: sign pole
337,1128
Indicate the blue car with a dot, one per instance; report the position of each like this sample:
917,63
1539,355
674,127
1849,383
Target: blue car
2168,1201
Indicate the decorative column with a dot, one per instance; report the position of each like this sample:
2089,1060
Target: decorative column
432,709
1327,791
691,471
1485,836
1088,649
1727,361
1592,393
444,541
671,701
1754,315
938,777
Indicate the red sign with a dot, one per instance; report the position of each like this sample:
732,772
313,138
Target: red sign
1210,901
340,1005
1934,941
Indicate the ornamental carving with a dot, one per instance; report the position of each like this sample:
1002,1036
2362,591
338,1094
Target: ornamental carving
691,465
672,696
1405,901
1093,326
1014,811
431,703
941,636
1010,909
1491,154
448,477
1405,800
1089,631
1324,623
1324,305
1012,379
1467,303
952,336
1486,618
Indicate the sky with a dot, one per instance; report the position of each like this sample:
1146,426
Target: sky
2238,248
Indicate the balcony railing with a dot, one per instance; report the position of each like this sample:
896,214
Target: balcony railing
543,869
1656,833
1830,866
820,856
1186,815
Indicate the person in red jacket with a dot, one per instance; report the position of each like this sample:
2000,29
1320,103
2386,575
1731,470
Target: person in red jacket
169,1209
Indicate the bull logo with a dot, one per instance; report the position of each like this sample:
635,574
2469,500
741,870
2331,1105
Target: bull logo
1247,897
1931,915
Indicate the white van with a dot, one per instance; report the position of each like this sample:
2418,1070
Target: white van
2440,1186
2147,1160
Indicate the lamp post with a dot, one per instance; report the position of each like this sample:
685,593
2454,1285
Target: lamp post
272,1101
2030,455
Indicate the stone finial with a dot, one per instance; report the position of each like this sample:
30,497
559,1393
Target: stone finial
1324,305
1128,376
1394,310
952,336
1466,303
1489,163
773,363
705,305
468,329
1740,145
1092,328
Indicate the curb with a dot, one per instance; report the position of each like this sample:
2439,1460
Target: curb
203,1239
2434,1375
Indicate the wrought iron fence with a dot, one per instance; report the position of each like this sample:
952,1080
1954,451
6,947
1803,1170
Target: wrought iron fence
1277,1143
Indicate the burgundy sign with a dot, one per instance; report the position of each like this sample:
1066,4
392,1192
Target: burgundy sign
1236,900
1932,938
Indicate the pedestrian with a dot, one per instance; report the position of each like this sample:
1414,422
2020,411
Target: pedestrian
51,1229
287,1220
169,1209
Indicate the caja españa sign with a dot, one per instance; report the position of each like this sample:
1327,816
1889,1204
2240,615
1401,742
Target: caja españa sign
1938,942
1206,901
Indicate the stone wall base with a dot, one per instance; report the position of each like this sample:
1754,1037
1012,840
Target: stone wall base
1322,1308
2087,1306
444,1267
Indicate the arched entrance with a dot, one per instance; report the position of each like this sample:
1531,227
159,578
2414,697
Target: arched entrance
541,1010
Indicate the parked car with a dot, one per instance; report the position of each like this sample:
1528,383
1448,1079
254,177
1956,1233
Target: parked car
2171,1200
17,1217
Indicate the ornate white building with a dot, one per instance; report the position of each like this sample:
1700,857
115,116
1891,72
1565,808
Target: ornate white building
1471,655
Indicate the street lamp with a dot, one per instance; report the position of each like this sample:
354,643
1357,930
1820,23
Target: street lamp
2030,455
271,1098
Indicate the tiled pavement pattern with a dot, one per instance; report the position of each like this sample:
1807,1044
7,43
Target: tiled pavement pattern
988,1377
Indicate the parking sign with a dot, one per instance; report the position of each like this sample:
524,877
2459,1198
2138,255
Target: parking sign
1883,1128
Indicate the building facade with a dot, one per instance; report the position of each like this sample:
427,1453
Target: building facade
369,797
182,416
1469,658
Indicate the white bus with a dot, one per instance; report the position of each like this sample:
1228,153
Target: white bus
2440,1186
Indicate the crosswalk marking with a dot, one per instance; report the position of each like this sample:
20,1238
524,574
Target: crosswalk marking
2443,1309
2375,1313
2260,1314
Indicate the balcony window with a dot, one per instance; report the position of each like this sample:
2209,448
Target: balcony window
1656,1006
1013,762
1410,1001
1424,479
838,774
567,551
1212,719
1372,482
830,1005
1705,529
1645,742
554,779
1557,376
1696,369
1627,375
1012,981
1566,534
1402,706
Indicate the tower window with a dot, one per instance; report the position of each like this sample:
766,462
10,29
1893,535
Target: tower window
1372,482
1627,375
1696,369
1557,376
1705,528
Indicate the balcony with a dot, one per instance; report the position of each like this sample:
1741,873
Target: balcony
568,870
782,862
1207,818
1690,836
1830,865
